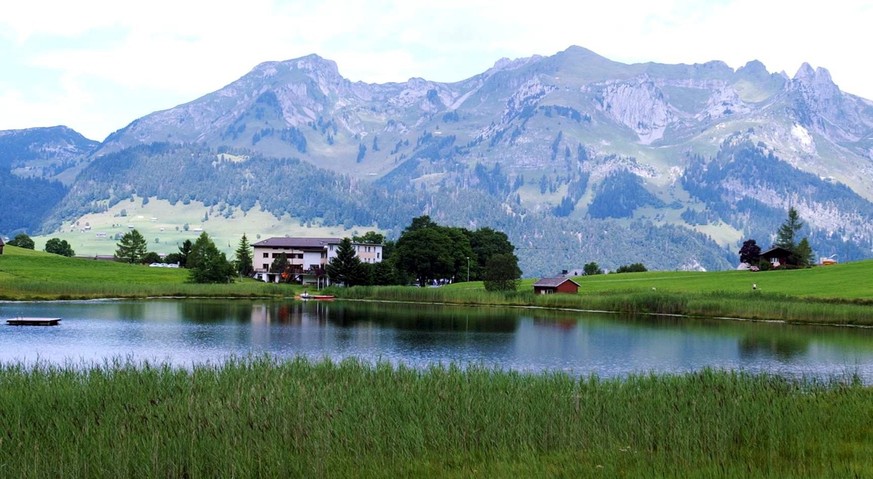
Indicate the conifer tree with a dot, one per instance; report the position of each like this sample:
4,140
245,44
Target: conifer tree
132,247
243,258
346,267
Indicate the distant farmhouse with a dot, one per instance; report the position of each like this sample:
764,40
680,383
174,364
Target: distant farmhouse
307,257
559,284
777,256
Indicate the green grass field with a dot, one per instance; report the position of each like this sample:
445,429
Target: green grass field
163,226
839,294
36,275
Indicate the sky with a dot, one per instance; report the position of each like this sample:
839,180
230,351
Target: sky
97,65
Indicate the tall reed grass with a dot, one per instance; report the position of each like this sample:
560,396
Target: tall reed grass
301,418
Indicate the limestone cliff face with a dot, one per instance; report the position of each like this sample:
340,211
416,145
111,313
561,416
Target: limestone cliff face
639,105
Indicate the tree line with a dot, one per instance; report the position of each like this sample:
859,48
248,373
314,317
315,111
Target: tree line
425,254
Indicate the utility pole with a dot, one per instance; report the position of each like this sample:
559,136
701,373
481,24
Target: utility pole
468,269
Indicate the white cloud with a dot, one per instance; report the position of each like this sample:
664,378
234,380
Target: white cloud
97,52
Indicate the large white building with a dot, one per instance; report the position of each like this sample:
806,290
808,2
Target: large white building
307,257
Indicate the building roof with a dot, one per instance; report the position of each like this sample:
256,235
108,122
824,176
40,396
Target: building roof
554,282
776,250
295,242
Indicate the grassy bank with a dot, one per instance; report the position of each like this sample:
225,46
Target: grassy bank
841,294
749,305
35,275
303,419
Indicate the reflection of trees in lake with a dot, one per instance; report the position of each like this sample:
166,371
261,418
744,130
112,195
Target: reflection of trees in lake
132,310
206,311
417,317
783,347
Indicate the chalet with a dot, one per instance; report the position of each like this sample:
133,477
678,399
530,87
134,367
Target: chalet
777,256
560,284
306,257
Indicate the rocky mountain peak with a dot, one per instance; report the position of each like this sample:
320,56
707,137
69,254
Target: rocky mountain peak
816,80
754,69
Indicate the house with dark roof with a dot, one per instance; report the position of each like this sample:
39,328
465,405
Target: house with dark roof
559,284
306,257
777,256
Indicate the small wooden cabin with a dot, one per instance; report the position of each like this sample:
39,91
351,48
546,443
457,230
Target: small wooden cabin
558,284
777,256
1,245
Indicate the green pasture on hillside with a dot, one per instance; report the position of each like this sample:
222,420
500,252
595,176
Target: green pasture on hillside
34,275
841,281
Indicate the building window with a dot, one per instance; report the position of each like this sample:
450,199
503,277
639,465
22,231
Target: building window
266,255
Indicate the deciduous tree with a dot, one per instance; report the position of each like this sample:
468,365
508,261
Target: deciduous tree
750,253
207,264
59,246
22,241
592,268
502,273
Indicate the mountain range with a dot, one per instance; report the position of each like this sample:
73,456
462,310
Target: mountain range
576,157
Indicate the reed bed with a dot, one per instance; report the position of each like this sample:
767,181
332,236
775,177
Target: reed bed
299,418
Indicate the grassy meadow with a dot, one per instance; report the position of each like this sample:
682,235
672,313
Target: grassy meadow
839,294
260,418
163,225
35,275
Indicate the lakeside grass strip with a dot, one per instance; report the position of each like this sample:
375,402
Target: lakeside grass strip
839,295
751,305
300,418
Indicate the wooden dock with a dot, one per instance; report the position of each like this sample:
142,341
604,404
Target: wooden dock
33,321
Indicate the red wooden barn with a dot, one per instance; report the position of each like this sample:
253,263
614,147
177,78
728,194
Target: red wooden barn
559,284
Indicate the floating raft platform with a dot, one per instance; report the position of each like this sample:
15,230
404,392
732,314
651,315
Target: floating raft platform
33,321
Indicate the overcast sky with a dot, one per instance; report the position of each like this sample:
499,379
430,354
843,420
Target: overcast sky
97,65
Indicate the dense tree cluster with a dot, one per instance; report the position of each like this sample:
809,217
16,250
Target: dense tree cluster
632,268
432,253
206,264
592,268
59,246
21,240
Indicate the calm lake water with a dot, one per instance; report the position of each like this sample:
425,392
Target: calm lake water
187,332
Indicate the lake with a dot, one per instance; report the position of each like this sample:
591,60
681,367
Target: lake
188,332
